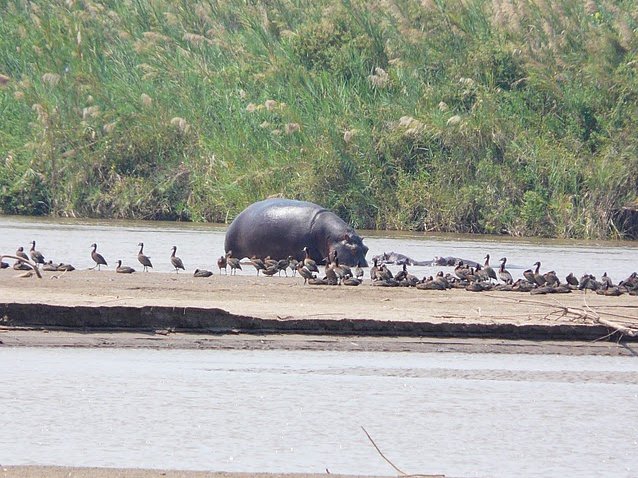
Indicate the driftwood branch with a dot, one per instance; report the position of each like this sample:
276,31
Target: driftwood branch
586,313
401,472
32,265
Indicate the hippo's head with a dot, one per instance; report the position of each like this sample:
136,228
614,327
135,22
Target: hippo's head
351,250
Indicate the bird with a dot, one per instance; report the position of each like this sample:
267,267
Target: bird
538,277
4,265
462,271
36,256
21,254
331,276
293,265
551,278
571,279
503,274
352,281
271,270
606,280
523,286
282,265
222,264
384,273
233,262
529,276
176,261
65,267
342,270
402,274
144,260
257,263
202,273
21,266
304,272
97,257
358,271
309,262
123,269
430,284
489,271
374,270
609,289
49,266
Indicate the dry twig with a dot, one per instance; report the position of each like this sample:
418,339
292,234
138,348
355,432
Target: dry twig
401,472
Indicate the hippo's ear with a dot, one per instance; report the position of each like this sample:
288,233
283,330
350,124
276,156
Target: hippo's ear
346,237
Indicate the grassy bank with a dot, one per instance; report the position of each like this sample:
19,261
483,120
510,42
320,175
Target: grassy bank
473,116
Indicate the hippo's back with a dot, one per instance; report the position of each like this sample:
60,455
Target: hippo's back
272,227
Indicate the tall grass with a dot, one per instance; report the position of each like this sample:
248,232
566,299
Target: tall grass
466,116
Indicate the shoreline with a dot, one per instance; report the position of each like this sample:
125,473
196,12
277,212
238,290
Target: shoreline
29,471
164,340
237,311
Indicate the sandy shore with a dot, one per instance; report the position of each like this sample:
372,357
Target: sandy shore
156,306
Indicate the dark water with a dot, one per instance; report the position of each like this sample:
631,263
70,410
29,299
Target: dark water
476,415
200,244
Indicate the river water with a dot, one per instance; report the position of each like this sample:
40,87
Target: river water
199,245
477,415
473,415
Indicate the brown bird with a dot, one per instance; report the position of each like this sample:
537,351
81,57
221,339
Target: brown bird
374,270
176,261
304,272
36,256
488,270
123,269
503,274
233,262
222,264
144,260
293,265
538,277
571,279
97,257
20,253
202,273
49,266
257,263
309,262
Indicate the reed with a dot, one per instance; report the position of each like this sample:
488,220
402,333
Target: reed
462,116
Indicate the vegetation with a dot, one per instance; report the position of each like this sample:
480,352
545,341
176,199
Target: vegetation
503,116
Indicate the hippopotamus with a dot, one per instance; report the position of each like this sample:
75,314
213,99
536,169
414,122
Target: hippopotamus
400,259
284,227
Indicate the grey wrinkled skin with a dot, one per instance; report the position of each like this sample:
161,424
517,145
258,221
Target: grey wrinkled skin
283,227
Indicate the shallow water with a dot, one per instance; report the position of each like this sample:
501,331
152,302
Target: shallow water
199,245
463,415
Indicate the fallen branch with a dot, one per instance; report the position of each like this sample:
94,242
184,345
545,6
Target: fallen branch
631,332
586,313
401,472
32,265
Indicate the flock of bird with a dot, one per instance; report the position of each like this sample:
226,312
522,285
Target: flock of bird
484,278
475,279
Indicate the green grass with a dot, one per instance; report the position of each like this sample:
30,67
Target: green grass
461,116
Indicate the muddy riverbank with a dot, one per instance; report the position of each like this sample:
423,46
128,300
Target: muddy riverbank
162,304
